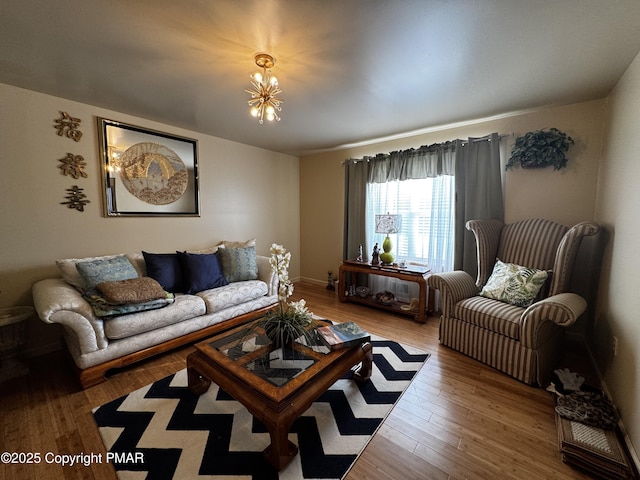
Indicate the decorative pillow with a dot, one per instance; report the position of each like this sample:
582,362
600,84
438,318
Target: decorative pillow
165,268
69,272
133,290
201,271
236,244
514,284
105,270
239,264
208,250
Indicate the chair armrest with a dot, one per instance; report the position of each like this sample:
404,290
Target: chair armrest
561,310
453,287
267,275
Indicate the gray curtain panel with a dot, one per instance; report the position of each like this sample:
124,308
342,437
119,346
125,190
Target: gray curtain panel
478,194
355,188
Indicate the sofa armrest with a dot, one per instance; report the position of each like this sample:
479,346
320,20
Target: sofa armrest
267,275
453,287
562,310
56,301
54,295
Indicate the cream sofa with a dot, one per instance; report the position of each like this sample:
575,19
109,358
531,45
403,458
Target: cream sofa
100,343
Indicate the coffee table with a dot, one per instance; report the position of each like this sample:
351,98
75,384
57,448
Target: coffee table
276,386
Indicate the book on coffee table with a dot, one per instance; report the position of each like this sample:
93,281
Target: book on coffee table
343,335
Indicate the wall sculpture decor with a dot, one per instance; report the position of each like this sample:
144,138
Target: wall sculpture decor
147,173
540,149
68,126
73,165
76,198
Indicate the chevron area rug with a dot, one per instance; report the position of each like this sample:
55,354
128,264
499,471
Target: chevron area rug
162,431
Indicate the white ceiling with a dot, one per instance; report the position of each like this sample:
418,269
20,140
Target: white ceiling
350,70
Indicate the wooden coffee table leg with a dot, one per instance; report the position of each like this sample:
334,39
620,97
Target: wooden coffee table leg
363,372
281,451
197,382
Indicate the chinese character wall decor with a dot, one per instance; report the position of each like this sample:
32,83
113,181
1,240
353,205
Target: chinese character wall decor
68,126
73,165
76,198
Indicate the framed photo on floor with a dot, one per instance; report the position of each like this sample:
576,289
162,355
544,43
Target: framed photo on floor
146,172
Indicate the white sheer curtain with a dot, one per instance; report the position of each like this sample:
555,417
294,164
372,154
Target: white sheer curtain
427,231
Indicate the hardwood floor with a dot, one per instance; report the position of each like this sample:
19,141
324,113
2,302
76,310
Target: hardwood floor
458,419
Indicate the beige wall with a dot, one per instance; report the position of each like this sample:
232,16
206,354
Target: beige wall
600,183
245,192
567,196
618,308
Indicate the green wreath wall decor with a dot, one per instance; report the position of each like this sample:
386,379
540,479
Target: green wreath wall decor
541,148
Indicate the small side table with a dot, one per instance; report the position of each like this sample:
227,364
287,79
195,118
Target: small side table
426,299
12,328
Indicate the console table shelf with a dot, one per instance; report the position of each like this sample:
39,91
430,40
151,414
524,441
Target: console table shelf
410,274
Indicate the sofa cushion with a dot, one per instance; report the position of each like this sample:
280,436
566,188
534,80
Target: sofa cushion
97,271
165,269
492,315
233,294
239,264
183,308
514,284
133,290
201,271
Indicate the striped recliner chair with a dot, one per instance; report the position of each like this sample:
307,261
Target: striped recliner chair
524,342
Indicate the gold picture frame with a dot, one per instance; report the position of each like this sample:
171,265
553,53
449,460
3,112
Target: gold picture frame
147,173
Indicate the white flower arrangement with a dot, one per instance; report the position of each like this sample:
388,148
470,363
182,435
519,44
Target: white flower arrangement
289,320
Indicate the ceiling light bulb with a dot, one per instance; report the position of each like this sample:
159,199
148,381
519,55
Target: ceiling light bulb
257,77
254,112
273,81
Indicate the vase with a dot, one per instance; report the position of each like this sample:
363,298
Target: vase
387,256
277,336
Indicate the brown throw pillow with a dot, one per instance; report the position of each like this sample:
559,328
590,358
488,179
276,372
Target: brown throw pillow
133,290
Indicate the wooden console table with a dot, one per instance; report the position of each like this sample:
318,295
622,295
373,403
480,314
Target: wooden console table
411,273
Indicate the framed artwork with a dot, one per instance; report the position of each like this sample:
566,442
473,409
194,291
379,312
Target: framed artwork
147,173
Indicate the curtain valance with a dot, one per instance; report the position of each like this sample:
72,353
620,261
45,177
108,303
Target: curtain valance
423,162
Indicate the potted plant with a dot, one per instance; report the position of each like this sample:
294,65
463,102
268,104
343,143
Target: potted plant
289,320
541,148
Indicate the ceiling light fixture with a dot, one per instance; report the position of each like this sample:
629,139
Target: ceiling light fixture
264,92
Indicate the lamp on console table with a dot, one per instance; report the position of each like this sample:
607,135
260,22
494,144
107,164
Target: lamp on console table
387,224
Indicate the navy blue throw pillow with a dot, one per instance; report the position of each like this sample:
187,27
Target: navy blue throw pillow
165,269
201,271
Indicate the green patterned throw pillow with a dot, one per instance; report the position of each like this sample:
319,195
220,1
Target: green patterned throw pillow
514,284
105,270
238,264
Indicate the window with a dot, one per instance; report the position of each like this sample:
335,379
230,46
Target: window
427,228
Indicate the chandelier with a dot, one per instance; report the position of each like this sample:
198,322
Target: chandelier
264,90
